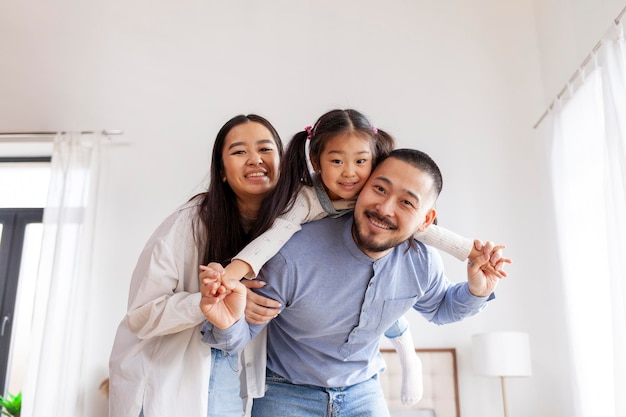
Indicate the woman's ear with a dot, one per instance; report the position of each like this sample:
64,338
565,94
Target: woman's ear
428,220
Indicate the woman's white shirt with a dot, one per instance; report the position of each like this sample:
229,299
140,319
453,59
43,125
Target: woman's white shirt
159,361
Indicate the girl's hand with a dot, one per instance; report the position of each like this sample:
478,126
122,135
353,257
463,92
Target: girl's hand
211,278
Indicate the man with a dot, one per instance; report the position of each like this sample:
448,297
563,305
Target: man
341,283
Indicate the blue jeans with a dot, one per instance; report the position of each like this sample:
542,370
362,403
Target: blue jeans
283,398
224,398
398,328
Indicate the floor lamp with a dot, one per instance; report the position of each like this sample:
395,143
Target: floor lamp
501,354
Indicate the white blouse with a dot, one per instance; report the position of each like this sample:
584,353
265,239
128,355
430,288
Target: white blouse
159,361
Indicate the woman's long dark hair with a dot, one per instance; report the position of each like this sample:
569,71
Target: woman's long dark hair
218,229
294,169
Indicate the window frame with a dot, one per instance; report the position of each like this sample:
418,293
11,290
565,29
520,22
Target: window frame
14,222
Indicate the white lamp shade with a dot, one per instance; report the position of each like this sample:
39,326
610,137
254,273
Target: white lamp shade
501,354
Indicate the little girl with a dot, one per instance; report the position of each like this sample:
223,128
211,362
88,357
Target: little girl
343,150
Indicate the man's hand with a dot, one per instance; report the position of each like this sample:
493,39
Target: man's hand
485,270
496,261
259,309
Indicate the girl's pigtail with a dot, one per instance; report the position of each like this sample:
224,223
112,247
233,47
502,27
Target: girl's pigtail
385,143
296,162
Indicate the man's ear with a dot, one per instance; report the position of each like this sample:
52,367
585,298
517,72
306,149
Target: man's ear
430,218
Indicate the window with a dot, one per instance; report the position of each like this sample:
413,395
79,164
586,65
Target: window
23,191
589,183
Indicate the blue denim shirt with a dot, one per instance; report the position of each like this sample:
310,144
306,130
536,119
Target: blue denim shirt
337,303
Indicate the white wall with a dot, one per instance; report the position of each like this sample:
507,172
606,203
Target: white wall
462,80
569,30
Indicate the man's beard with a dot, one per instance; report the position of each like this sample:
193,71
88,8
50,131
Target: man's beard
369,245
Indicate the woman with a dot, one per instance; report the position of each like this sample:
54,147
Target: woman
159,365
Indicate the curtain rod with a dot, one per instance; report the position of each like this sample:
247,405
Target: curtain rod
106,132
577,73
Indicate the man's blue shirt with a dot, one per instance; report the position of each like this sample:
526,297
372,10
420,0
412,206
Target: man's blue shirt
337,302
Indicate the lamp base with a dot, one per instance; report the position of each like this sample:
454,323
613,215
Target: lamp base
506,409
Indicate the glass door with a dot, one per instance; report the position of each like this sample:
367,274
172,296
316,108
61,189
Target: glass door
23,192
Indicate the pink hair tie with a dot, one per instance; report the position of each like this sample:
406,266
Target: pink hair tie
309,131
374,130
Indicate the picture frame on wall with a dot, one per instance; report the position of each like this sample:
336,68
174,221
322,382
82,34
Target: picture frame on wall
441,386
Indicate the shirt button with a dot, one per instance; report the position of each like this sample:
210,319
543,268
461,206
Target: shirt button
370,284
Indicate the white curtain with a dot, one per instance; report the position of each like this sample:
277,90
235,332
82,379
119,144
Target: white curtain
589,188
55,380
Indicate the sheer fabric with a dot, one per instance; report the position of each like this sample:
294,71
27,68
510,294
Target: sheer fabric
589,187
55,379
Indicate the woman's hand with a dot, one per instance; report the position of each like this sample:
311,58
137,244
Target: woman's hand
211,277
223,302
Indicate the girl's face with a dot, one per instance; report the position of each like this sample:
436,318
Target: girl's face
251,161
345,165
